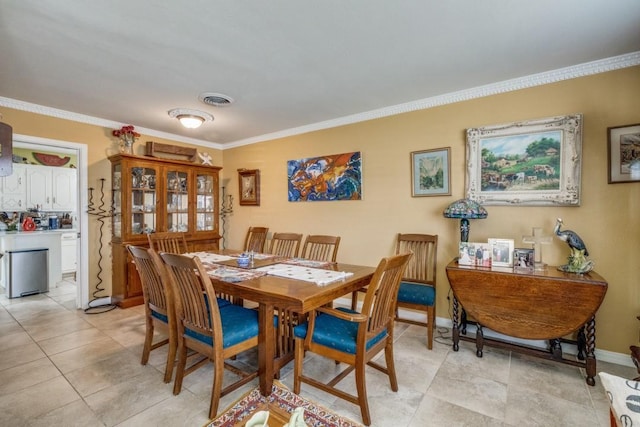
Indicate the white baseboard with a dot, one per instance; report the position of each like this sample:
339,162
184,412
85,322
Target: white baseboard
603,355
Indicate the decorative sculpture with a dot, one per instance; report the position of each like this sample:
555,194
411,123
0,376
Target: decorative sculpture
577,260
206,158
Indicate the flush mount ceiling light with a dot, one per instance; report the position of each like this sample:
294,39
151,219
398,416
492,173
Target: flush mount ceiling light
190,119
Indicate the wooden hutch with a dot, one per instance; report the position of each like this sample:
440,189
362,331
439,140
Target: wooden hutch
158,195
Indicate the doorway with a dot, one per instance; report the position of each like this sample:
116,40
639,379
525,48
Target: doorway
82,251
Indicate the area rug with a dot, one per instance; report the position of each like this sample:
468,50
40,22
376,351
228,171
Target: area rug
283,399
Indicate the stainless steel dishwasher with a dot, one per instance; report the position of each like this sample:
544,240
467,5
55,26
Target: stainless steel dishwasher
28,272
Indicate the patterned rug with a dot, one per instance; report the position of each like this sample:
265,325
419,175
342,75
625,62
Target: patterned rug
283,399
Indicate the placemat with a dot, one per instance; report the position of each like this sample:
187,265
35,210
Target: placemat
308,274
230,274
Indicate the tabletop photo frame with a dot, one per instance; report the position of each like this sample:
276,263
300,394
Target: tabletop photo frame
533,162
501,252
249,187
430,172
624,153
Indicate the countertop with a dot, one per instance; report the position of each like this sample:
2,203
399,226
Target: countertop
38,232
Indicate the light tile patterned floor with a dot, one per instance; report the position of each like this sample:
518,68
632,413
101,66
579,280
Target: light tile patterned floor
62,367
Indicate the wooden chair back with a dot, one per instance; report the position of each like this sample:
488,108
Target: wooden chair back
193,290
321,248
158,303
256,239
175,243
286,244
380,300
422,266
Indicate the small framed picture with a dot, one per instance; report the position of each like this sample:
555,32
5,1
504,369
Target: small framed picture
430,172
472,253
501,252
523,260
249,187
624,153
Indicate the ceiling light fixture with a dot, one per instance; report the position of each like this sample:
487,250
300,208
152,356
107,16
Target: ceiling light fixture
190,119
215,99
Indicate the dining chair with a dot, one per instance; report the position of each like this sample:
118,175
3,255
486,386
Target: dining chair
354,338
255,240
175,243
321,248
285,244
216,333
418,285
158,305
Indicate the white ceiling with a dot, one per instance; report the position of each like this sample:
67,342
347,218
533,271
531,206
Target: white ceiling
290,65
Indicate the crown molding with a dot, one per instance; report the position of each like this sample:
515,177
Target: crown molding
547,77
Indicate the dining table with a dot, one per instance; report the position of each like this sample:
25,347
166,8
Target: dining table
286,287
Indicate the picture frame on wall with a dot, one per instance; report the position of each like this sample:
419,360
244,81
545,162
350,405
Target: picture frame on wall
624,153
249,187
501,252
533,162
430,172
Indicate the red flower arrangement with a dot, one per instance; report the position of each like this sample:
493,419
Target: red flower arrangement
127,136
126,132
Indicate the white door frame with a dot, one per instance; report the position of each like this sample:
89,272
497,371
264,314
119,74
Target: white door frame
45,144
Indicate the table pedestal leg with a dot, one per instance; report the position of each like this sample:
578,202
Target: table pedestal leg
455,333
590,330
266,348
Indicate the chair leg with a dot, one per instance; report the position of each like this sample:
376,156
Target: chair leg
171,358
391,366
216,389
297,364
431,320
148,341
354,300
182,362
362,393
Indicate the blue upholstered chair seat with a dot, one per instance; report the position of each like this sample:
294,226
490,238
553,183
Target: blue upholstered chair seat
238,324
223,302
414,293
161,317
333,332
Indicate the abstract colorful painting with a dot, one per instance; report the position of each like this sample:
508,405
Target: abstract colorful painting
334,177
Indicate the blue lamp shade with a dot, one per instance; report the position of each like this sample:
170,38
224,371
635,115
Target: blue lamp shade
465,209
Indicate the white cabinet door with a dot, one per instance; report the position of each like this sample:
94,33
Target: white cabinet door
39,187
50,188
68,246
14,189
63,189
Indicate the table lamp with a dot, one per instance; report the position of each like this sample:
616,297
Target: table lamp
465,209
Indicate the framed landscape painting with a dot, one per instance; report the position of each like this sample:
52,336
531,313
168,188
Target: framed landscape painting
624,153
430,174
534,162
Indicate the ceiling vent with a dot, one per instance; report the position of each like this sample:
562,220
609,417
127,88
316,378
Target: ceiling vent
215,99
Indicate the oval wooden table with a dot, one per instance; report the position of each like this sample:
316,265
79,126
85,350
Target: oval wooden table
541,305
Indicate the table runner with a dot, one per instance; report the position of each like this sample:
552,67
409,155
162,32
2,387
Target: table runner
308,274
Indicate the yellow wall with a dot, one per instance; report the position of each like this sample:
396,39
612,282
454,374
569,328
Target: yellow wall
607,219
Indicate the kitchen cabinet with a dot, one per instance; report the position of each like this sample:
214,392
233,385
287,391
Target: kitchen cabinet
51,188
68,246
158,195
14,189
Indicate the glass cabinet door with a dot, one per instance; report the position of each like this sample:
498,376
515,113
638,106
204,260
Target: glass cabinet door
205,203
177,201
143,200
116,200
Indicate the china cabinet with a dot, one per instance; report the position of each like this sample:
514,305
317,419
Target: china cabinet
158,195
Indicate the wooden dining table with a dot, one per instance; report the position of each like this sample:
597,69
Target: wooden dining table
285,296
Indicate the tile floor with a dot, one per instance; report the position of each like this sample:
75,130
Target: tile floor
62,367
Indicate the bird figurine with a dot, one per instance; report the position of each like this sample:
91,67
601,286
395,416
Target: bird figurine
571,237
577,259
